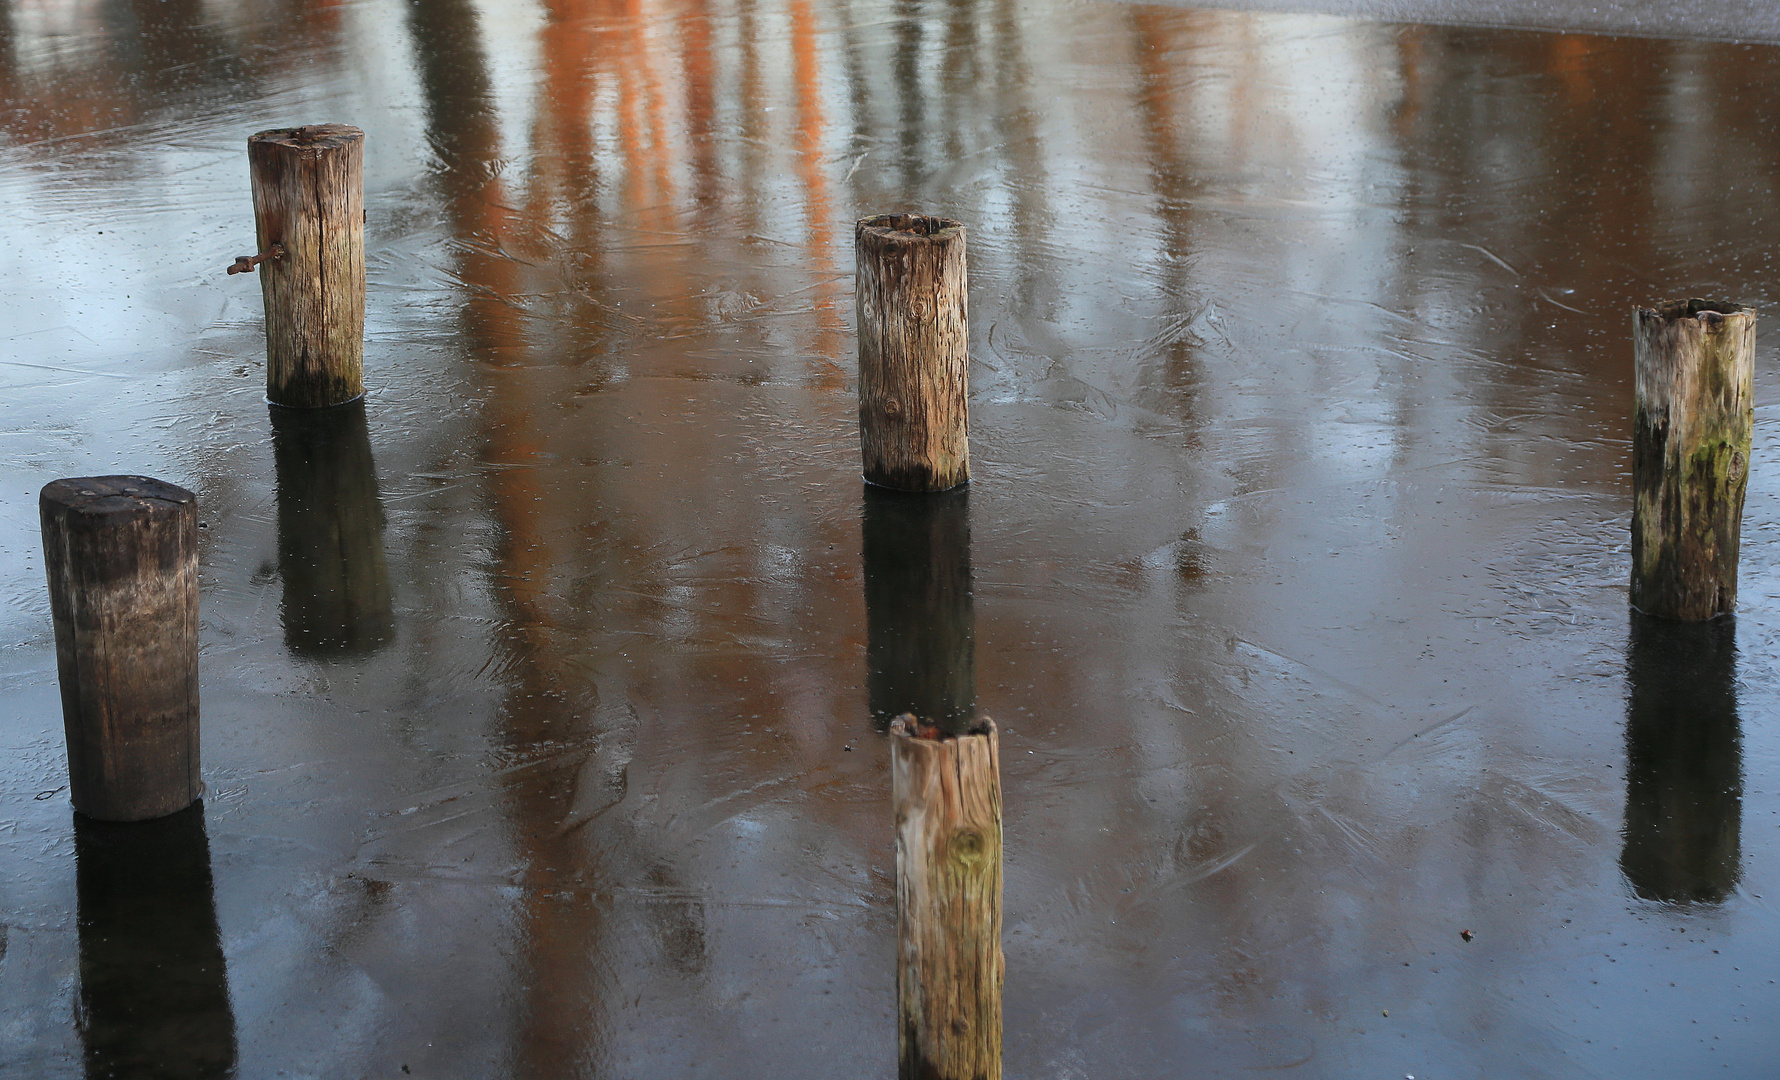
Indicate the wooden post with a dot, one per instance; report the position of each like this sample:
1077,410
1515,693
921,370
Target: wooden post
1684,762
920,631
330,532
914,352
309,202
122,558
154,987
946,792
1694,417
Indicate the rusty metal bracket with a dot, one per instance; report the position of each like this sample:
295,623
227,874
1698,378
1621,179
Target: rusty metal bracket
244,264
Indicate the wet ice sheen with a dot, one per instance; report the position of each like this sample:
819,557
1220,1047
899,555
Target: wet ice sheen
1296,567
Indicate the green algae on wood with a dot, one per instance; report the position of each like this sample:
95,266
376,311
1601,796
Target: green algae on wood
1693,420
946,793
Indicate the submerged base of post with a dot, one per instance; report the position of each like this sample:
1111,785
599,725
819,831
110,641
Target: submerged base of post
946,791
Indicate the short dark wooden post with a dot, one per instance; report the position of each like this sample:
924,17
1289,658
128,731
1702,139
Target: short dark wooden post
914,352
1694,418
920,629
122,557
330,532
946,792
309,213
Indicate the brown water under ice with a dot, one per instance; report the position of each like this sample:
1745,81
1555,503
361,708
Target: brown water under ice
543,693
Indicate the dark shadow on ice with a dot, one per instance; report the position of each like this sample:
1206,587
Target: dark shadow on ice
1684,761
920,650
330,532
154,990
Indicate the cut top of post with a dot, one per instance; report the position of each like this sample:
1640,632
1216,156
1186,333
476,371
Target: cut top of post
99,506
313,137
97,497
1708,312
909,726
907,228
1694,330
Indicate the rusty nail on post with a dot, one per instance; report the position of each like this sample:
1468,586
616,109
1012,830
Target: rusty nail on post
244,264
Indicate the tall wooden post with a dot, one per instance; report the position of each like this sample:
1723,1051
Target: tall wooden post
309,214
330,532
154,987
946,792
1694,418
914,352
1684,761
122,558
920,630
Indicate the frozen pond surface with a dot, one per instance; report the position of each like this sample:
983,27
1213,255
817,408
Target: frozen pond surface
543,695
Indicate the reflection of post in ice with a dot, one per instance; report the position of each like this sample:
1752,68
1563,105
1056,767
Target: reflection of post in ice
946,793
1684,767
330,532
154,991
920,647
945,769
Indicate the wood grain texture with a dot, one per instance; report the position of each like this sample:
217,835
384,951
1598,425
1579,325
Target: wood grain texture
122,558
914,351
308,198
1693,422
946,793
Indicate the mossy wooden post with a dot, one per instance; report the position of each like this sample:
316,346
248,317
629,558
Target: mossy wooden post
1694,416
309,211
914,356
122,558
946,792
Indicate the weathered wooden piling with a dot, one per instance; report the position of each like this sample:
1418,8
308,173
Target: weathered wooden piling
122,558
946,792
309,214
154,986
330,532
920,629
1684,761
914,356
1694,416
